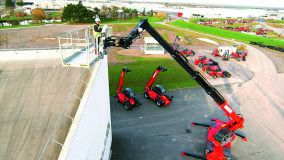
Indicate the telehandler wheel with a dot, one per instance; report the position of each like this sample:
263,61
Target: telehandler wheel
116,99
159,103
146,95
127,106
214,76
228,75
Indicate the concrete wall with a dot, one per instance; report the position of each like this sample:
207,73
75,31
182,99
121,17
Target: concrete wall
90,134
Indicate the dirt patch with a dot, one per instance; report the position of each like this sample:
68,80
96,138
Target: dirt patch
46,36
34,37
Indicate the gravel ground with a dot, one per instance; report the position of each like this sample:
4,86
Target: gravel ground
275,56
34,37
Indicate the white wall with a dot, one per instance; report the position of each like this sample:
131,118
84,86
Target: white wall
90,135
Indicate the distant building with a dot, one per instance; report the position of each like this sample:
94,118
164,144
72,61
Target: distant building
276,15
151,46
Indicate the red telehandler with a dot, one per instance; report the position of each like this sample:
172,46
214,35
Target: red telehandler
220,133
182,50
125,96
157,93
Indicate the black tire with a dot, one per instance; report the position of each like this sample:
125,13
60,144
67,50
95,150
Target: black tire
146,95
224,76
159,103
127,106
200,65
214,76
116,99
192,54
238,59
207,71
228,75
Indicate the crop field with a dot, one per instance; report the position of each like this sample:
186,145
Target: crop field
246,38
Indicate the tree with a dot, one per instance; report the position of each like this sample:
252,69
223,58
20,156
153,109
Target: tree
81,12
9,4
77,13
114,11
144,12
150,13
134,13
20,3
103,11
96,11
127,12
38,14
67,14
160,15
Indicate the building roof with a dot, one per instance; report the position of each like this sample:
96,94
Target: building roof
150,40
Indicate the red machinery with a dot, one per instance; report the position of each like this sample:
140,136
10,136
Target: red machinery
261,31
157,92
125,96
184,51
217,72
202,60
242,29
226,54
220,133
210,66
240,55
179,14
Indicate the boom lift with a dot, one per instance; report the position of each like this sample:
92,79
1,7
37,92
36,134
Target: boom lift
157,92
125,96
220,133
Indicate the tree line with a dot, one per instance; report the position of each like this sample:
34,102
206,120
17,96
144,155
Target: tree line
79,13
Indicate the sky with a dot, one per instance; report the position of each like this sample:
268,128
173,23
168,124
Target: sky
258,3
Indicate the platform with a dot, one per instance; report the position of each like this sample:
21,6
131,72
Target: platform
80,48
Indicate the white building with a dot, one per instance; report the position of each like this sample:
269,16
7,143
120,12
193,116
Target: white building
276,15
151,46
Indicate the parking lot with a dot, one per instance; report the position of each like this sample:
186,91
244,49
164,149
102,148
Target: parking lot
149,132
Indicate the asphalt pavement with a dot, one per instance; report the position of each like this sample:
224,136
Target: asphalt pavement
149,132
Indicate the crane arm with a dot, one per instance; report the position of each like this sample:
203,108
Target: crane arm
153,78
121,80
235,122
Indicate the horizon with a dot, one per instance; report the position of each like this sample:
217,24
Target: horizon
236,3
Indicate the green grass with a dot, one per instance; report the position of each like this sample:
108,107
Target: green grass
141,71
23,26
245,38
274,21
183,33
131,20
14,18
